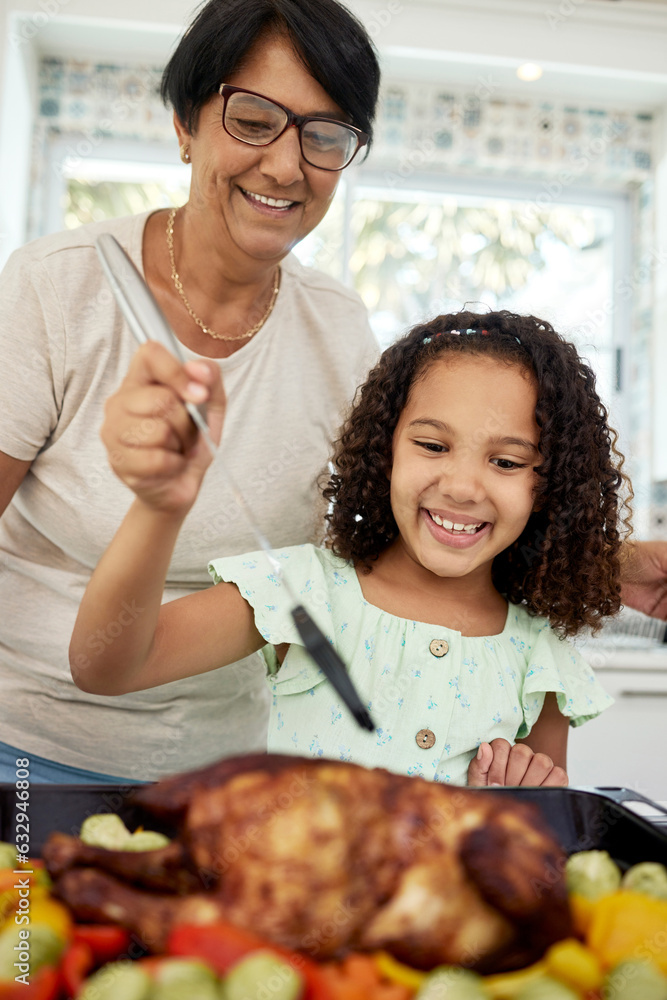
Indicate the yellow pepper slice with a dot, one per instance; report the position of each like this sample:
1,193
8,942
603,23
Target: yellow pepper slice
574,964
629,925
506,985
48,911
396,972
582,910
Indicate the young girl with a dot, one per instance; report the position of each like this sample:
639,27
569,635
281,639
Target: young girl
474,523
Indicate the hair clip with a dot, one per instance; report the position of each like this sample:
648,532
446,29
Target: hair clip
455,333
461,333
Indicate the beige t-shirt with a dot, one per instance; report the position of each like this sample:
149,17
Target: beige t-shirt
65,349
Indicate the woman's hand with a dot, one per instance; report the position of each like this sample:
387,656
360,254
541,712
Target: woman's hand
644,577
152,443
500,763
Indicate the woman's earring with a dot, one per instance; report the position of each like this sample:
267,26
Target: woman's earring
185,153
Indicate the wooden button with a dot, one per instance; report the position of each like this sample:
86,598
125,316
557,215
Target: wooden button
425,739
439,647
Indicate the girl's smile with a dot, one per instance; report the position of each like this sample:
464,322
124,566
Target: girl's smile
464,452
456,530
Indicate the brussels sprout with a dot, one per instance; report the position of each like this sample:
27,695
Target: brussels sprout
108,830
592,874
547,989
8,855
648,877
145,840
118,979
635,980
449,983
42,947
262,974
105,830
184,979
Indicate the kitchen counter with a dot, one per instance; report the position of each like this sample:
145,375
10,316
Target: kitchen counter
623,652
627,745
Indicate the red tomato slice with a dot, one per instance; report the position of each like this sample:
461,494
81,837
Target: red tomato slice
107,942
75,965
222,945
44,985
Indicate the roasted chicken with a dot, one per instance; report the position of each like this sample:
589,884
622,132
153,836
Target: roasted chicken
325,857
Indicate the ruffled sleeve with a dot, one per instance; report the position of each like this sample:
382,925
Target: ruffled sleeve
305,568
555,665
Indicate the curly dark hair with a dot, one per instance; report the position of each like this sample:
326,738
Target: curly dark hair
565,565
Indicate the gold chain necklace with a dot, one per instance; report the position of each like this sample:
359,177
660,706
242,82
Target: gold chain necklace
179,288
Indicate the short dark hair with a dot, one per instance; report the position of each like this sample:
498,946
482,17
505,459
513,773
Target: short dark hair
333,45
565,565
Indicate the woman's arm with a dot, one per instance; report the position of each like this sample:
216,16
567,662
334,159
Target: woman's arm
124,639
12,473
539,759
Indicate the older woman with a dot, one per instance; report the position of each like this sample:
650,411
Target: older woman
272,99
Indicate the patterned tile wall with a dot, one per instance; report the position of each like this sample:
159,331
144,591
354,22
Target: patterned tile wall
487,133
118,101
425,125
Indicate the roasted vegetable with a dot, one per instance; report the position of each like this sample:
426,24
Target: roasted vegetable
40,945
43,985
452,983
635,980
629,925
547,989
357,977
104,830
262,973
397,972
106,941
145,840
108,830
574,964
49,912
8,855
119,979
592,874
508,985
185,979
648,877
76,964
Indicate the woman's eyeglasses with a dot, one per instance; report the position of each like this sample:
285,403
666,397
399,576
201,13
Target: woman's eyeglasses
325,143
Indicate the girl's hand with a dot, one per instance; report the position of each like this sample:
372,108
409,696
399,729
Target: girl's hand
153,445
500,763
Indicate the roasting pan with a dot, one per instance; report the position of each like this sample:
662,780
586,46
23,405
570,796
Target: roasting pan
581,818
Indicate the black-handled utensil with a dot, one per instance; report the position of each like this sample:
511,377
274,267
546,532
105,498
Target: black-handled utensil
147,322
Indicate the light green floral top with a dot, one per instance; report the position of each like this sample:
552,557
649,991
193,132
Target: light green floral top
433,701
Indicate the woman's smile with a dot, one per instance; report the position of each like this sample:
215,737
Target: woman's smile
269,204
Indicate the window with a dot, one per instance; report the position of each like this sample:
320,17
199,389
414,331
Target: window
413,252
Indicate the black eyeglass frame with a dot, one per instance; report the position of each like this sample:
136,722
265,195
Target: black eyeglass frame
226,90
